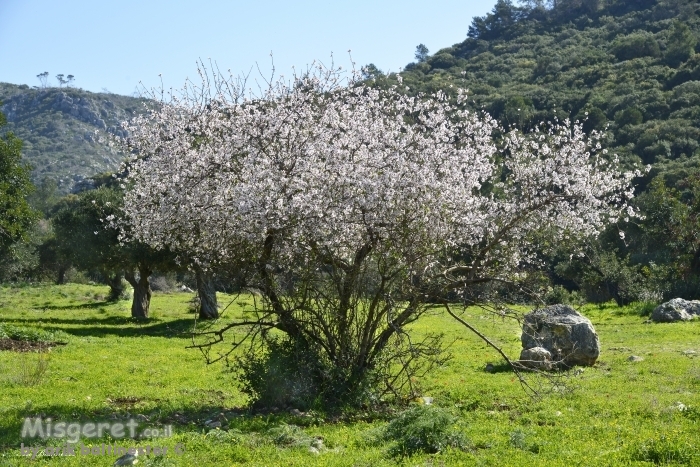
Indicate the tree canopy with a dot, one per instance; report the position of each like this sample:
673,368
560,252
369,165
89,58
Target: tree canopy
16,216
356,207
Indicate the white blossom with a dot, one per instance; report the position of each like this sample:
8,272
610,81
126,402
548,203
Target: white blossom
325,165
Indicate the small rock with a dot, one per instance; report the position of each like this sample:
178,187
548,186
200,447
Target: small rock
635,358
689,353
296,412
427,400
314,450
536,357
142,417
490,368
558,413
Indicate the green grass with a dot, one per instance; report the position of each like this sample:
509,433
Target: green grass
616,413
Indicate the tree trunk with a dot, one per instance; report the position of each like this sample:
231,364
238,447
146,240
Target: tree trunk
142,292
208,306
61,279
116,288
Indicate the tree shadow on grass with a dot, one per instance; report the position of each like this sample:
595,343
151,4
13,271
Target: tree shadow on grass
77,307
499,367
113,325
146,413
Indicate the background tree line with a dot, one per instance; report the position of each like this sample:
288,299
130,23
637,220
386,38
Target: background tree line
48,237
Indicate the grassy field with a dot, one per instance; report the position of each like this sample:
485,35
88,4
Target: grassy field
619,412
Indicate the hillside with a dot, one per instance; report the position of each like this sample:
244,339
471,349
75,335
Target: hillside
65,130
628,65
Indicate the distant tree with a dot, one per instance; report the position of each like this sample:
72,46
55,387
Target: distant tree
16,216
681,44
498,22
206,291
61,80
85,238
69,79
518,111
371,71
43,79
630,116
52,260
639,44
672,223
593,119
421,53
533,4
45,197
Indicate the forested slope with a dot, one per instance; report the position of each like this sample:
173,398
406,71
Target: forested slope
626,65
630,68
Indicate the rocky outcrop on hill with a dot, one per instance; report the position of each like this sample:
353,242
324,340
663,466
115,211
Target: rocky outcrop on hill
65,131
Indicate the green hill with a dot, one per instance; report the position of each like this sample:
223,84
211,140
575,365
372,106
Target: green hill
628,65
65,130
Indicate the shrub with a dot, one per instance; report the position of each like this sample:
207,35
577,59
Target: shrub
288,373
519,440
127,291
32,369
423,428
636,45
629,116
665,450
558,294
163,283
289,436
19,333
281,374
645,308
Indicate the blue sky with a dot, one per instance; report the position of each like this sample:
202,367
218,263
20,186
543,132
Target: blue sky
115,44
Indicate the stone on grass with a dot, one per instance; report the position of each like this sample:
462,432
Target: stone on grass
635,358
568,336
536,357
676,309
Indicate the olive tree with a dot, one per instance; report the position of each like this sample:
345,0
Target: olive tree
87,240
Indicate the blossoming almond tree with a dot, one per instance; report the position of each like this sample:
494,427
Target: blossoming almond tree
354,207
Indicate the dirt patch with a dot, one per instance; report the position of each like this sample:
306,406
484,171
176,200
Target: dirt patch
14,345
125,401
